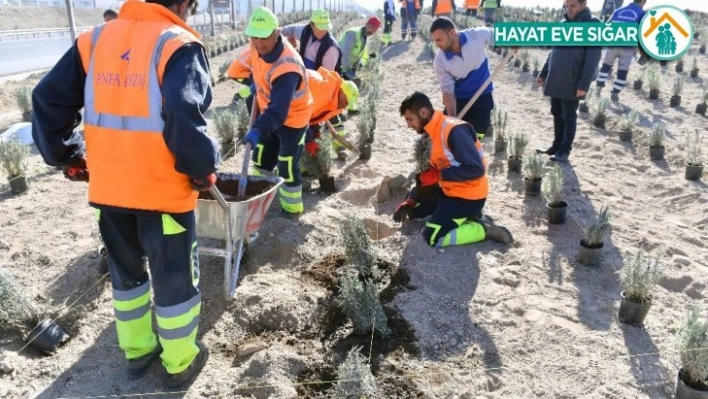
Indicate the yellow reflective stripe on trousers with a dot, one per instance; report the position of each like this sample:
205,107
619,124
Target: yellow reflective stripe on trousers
177,327
288,160
153,122
291,198
259,154
170,226
134,321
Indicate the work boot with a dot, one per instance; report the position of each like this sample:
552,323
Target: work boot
497,233
614,97
138,367
600,84
560,157
549,151
102,260
179,381
342,154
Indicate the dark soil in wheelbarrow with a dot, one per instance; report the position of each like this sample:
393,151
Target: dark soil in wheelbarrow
229,188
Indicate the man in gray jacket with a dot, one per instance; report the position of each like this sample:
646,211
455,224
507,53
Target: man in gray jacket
566,76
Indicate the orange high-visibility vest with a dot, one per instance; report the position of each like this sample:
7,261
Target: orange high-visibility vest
131,166
264,74
443,7
441,157
472,4
324,86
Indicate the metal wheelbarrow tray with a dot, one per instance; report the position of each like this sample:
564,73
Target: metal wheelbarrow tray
219,217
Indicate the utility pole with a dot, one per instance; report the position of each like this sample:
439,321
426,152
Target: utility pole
72,25
211,17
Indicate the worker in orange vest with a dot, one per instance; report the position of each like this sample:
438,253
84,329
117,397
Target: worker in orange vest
284,98
409,15
331,94
471,7
143,81
443,8
457,175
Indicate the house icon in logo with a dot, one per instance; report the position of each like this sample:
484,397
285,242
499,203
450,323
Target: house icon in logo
666,33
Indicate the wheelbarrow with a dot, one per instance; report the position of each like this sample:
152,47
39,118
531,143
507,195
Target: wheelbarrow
236,223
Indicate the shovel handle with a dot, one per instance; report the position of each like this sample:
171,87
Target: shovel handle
486,83
243,181
340,139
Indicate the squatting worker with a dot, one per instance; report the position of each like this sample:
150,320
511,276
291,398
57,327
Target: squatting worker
566,76
461,68
144,83
285,103
458,173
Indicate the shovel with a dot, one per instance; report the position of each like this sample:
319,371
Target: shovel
340,139
486,83
243,181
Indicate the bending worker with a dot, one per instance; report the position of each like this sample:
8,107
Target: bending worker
284,100
318,48
353,45
461,68
632,13
147,150
330,94
458,171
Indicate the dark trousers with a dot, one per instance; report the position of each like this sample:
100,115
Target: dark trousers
172,257
565,123
479,114
388,25
281,149
447,214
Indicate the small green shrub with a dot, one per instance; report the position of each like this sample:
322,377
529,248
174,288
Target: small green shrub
357,245
226,123
693,349
533,166
599,228
518,145
421,152
15,309
656,135
500,120
694,149
13,157
639,276
23,96
627,121
321,165
361,304
354,377
552,186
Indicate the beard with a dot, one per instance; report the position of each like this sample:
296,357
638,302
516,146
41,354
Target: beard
423,123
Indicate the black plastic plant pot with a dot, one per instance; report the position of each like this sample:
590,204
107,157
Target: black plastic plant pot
535,74
674,101
47,336
599,121
679,68
583,108
365,152
517,63
590,255
489,132
557,213
514,164
654,94
27,116
525,68
327,184
638,84
532,187
686,391
656,153
701,109
694,172
694,73
18,184
702,50
631,312
625,135
499,146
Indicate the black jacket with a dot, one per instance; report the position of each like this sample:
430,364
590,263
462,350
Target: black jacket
568,69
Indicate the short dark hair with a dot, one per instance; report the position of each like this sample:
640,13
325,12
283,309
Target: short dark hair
192,4
415,102
443,23
110,12
638,1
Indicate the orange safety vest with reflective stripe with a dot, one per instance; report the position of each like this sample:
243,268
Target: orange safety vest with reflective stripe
443,7
324,86
265,73
441,157
472,4
130,164
240,68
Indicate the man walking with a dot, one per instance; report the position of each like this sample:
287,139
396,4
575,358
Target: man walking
284,98
443,8
458,175
353,45
566,76
318,48
461,68
389,18
143,81
632,13
490,11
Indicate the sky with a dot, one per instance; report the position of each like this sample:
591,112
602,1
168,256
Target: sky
595,5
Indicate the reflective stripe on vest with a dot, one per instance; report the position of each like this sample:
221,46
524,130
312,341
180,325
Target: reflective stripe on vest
298,93
446,148
153,122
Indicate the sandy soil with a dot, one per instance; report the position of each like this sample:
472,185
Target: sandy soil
480,321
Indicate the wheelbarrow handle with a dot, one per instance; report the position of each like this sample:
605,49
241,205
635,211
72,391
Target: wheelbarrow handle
219,197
